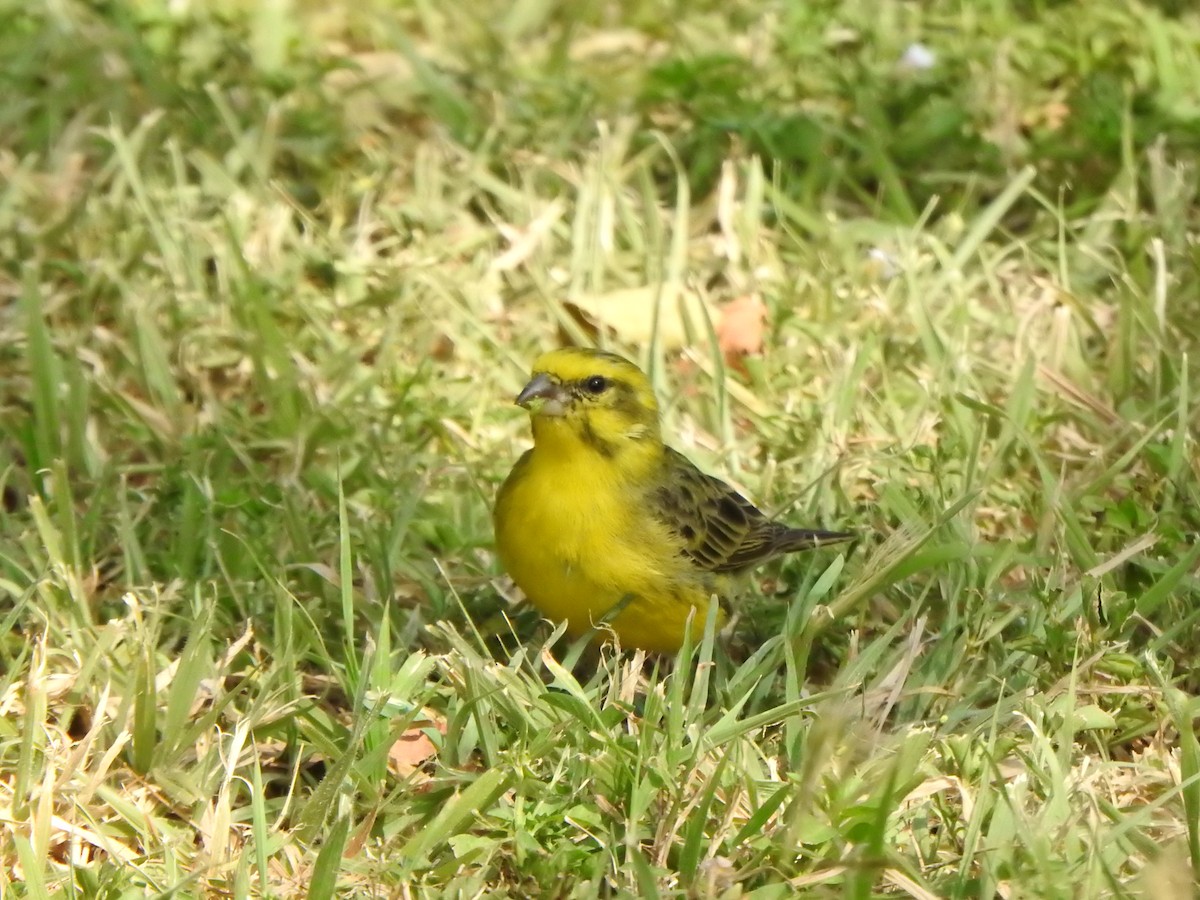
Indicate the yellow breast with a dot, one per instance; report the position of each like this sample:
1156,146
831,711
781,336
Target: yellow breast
578,540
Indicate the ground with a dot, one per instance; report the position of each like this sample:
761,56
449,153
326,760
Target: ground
270,276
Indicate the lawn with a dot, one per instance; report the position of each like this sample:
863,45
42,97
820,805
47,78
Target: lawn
270,276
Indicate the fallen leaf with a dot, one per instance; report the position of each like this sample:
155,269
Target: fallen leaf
415,747
740,328
629,313
442,348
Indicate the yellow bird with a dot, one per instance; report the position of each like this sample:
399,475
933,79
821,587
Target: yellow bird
601,512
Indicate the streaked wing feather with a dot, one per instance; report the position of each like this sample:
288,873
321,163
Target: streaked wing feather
721,530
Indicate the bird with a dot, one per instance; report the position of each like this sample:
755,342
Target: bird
603,526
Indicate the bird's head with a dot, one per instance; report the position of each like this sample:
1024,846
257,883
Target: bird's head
588,399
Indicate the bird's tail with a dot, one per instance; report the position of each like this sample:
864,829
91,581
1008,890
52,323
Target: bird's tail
810,538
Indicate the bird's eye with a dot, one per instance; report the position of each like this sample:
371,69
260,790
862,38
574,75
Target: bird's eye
596,384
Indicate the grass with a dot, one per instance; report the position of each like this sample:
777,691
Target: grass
271,273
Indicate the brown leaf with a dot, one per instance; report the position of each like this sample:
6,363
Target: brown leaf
442,348
414,748
740,328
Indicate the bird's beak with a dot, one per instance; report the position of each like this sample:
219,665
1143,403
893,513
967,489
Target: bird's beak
543,397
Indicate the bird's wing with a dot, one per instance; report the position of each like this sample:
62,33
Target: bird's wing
721,530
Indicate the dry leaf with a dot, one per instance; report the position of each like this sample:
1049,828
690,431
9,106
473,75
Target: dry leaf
629,313
740,328
442,348
414,748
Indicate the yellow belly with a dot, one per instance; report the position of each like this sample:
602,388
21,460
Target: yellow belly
578,545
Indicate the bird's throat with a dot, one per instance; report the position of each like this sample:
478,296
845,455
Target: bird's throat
574,442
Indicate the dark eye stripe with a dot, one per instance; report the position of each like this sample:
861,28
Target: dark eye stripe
617,394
